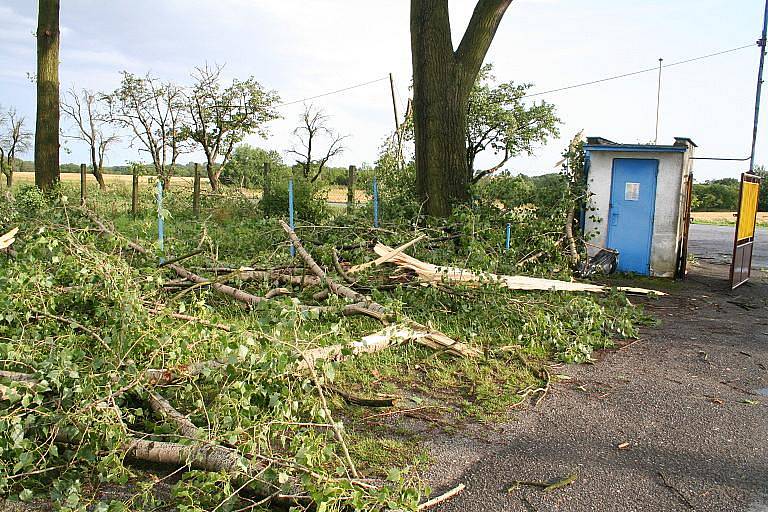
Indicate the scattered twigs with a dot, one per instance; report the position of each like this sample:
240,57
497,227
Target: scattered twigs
441,498
76,325
180,258
353,399
230,291
677,491
310,366
546,486
193,319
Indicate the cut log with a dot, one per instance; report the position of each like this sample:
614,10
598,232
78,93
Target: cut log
430,273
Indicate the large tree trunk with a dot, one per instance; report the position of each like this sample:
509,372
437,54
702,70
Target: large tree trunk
442,80
47,122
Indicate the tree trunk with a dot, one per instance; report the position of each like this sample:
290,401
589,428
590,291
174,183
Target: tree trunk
442,80
47,121
97,169
213,177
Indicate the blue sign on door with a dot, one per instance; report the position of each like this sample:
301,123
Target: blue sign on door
630,217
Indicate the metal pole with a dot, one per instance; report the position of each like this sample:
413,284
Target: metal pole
509,236
160,219
290,212
760,43
375,202
658,104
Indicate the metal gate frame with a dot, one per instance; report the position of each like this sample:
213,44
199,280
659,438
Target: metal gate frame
682,258
741,264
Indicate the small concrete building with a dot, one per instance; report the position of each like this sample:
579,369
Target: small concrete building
639,202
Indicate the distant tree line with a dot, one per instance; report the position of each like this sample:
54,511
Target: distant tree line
722,195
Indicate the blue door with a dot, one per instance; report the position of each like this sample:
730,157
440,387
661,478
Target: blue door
630,217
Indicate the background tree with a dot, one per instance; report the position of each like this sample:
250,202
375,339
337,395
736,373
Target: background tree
313,133
442,81
762,200
154,112
246,165
14,140
47,121
499,121
83,107
221,117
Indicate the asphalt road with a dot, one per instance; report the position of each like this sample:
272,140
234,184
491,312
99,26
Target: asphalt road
687,398
715,244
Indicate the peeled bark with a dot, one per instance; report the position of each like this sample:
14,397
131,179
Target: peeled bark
442,80
47,122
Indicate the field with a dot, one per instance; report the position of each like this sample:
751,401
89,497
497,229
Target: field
335,194
725,218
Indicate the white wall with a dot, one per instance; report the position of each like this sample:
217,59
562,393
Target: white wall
666,223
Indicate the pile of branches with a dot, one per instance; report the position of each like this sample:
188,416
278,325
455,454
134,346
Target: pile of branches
94,375
98,371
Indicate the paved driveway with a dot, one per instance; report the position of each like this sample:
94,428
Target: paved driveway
674,422
715,244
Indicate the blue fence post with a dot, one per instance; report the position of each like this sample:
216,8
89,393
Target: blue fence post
160,219
509,234
290,212
375,202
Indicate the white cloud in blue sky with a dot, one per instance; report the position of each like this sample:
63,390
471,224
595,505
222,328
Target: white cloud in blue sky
306,47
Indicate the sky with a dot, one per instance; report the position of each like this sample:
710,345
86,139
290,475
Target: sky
303,48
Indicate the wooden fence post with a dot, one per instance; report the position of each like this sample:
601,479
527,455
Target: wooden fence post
351,177
196,192
265,181
83,189
135,192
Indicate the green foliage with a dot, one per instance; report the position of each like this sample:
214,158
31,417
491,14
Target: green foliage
309,201
716,195
246,167
29,200
499,121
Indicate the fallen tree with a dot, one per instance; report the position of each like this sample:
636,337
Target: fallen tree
427,272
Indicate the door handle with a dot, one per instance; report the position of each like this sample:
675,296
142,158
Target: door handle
614,219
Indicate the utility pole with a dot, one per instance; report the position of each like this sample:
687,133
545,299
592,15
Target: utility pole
658,103
394,103
761,44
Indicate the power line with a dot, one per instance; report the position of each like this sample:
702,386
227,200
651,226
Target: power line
633,73
333,92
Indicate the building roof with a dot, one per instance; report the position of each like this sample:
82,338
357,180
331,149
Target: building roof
603,144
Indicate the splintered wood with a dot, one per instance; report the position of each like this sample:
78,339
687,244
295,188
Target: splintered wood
428,272
391,335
